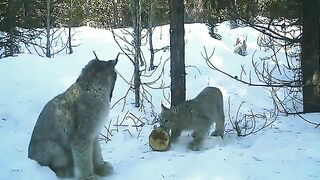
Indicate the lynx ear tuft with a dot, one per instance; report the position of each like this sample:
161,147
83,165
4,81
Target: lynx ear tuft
117,56
163,107
115,61
95,55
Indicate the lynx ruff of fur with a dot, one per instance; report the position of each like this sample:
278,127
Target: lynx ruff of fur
198,115
65,137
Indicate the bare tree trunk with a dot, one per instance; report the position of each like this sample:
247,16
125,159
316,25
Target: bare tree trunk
177,54
115,13
69,40
137,54
48,28
69,28
310,56
150,30
11,19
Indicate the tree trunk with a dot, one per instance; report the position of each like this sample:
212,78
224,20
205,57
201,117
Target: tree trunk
177,54
12,39
11,28
48,28
69,39
150,30
137,50
115,14
69,28
310,56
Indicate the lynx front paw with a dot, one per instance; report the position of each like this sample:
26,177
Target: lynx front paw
93,177
173,139
175,134
217,133
195,145
67,172
104,170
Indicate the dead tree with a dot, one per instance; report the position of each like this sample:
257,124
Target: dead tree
129,41
52,13
283,78
71,6
136,11
299,29
150,31
48,28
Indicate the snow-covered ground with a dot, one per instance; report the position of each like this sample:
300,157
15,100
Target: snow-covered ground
288,149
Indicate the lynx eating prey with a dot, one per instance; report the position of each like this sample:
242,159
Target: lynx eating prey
66,135
196,114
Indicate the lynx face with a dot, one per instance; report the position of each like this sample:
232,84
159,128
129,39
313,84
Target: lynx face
168,117
100,73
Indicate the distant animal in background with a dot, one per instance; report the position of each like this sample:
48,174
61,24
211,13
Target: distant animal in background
66,135
241,46
196,114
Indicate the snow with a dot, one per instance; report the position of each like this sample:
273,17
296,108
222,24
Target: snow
288,149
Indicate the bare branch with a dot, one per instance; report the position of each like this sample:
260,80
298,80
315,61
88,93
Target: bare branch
212,66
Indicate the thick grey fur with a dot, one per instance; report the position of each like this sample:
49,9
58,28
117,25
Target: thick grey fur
66,134
196,114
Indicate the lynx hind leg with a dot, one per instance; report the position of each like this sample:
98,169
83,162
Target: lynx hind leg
101,167
197,141
52,154
219,129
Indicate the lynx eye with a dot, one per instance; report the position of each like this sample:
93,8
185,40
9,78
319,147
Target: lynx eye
163,120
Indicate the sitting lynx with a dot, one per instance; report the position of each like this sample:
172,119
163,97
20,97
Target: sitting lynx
197,114
66,135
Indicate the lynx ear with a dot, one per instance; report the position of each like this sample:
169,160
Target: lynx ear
163,107
95,55
115,61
